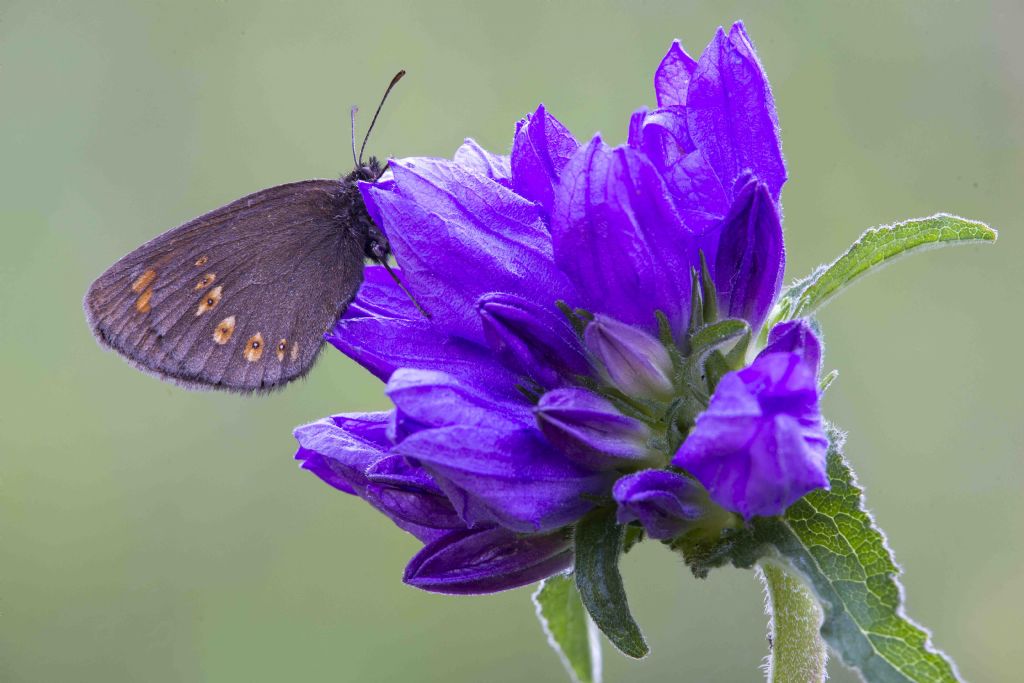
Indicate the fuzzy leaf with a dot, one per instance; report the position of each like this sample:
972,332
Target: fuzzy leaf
570,631
877,247
833,542
599,542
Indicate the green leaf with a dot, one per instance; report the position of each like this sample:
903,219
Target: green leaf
570,631
878,246
598,547
829,538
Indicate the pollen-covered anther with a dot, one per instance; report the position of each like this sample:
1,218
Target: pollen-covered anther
253,348
209,300
205,281
225,328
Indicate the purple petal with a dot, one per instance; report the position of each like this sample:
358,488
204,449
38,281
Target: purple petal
488,560
700,198
459,235
341,449
382,345
473,157
541,149
760,445
380,296
731,113
406,492
672,78
617,235
795,336
427,399
629,358
512,478
664,502
531,339
590,431
750,258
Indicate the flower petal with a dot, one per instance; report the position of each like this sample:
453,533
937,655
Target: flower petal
664,502
341,449
760,445
458,235
427,399
512,478
750,258
488,560
473,157
531,339
672,78
380,296
617,235
406,492
541,149
382,345
731,112
795,336
590,431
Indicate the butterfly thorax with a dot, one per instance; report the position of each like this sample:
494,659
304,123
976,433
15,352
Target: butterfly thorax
375,244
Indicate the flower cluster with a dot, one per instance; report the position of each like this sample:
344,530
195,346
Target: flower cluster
591,310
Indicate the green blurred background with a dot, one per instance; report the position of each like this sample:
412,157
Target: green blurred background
149,534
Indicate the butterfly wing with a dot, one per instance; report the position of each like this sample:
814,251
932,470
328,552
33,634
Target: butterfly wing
238,298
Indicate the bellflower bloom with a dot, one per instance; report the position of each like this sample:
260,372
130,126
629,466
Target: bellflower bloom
561,362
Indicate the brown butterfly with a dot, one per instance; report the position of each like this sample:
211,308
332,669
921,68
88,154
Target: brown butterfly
240,298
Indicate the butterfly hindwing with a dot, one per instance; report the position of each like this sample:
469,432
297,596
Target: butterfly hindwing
238,298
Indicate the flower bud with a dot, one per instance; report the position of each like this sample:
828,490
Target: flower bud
664,502
630,359
795,336
531,339
590,431
487,560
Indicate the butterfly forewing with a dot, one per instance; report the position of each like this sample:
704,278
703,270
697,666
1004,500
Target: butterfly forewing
238,298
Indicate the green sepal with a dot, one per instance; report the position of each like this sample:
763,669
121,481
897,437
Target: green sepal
571,633
599,543
708,293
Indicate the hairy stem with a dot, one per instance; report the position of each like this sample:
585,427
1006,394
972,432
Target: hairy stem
797,651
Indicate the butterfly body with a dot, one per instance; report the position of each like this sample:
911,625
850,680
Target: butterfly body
240,298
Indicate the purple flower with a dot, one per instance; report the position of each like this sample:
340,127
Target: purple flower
760,445
591,431
664,502
552,365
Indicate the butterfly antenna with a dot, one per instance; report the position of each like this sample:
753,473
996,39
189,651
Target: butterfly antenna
352,116
401,286
394,82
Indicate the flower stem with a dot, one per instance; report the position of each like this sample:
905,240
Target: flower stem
798,653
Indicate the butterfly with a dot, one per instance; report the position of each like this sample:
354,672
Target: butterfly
239,298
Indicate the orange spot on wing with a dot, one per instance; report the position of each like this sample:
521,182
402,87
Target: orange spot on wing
144,280
253,348
281,346
205,281
202,260
209,300
225,328
142,303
